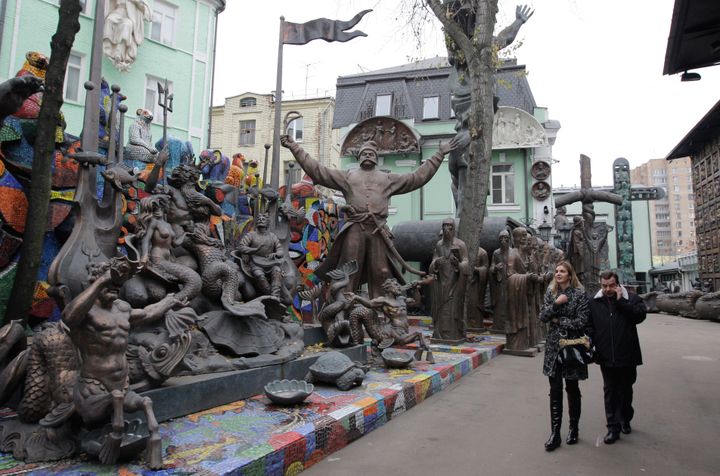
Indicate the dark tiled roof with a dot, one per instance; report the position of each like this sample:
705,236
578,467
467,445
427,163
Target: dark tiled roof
410,83
704,131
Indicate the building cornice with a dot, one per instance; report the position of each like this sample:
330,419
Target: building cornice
219,5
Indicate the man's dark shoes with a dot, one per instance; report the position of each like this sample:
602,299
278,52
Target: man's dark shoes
625,428
611,437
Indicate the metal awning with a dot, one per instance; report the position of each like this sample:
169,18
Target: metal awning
694,40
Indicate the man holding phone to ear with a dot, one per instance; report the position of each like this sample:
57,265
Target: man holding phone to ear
614,314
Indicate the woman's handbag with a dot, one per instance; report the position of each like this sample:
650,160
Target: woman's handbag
575,349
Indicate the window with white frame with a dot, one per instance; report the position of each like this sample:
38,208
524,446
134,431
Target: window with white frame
503,184
73,77
248,102
382,104
247,132
164,19
431,106
295,129
152,96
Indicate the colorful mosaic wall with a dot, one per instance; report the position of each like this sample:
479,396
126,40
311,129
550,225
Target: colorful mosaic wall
255,438
17,136
310,237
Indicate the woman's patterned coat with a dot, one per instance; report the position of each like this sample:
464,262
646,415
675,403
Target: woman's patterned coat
572,315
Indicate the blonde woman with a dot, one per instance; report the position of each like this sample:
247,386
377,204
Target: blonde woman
566,309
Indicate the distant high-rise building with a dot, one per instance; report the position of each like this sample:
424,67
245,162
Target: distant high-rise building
672,218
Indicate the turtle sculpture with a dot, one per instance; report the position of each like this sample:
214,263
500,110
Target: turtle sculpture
336,368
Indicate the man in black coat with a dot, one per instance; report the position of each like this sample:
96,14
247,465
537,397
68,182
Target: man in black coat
614,314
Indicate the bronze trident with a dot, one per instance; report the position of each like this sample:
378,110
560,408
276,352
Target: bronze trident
165,101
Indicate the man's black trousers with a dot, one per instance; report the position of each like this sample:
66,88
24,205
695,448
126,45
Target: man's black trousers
618,382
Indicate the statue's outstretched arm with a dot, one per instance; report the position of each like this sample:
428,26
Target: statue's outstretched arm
405,183
507,36
320,174
154,311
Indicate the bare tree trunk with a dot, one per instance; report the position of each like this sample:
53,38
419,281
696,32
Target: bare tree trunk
39,195
476,44
481,68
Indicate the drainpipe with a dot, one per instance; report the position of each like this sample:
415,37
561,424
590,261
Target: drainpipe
422,200
648,278
3,11
528,189
212,76
322,142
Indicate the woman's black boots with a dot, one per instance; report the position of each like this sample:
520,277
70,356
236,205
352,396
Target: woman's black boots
574,411
556,411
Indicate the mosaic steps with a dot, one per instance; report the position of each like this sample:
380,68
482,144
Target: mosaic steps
184,395
254,437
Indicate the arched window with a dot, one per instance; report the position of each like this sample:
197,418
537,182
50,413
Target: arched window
248,102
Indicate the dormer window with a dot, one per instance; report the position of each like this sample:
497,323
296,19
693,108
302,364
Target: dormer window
382,104
431,107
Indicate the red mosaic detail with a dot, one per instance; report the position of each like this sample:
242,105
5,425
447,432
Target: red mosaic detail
283,439
388,392
445,370
337,438
65,170
370,409
43,305
57,213
30,109
313,248
294,448
13,203
315,457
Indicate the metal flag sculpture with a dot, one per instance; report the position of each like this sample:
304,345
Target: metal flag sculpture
300,34
321,29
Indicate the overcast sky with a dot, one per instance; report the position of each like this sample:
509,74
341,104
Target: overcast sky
596,65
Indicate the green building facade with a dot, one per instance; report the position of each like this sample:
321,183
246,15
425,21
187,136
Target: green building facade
418,95
178,45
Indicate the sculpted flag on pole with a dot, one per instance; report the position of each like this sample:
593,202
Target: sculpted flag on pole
321,29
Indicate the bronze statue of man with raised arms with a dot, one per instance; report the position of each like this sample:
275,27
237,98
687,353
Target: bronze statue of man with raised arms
366,237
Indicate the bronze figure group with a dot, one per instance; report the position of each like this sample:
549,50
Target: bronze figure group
519,276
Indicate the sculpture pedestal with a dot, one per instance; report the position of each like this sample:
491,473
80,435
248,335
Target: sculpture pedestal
530,352
180,396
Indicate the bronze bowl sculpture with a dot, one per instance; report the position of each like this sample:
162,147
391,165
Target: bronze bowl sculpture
288,392
396,359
